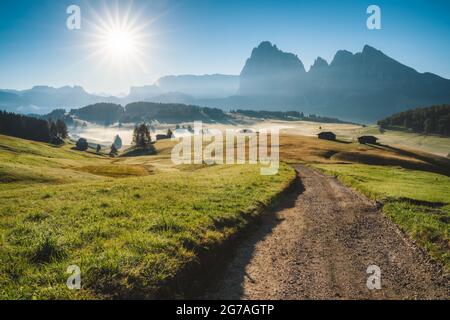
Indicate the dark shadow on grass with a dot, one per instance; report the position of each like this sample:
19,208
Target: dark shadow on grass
440,164
342,141
246,241
422,202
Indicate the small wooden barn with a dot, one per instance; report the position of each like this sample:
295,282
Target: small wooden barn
367,140
327,135
162,137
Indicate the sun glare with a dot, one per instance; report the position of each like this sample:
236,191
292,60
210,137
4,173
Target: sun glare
118,41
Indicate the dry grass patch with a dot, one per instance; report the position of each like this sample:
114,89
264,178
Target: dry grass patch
294,149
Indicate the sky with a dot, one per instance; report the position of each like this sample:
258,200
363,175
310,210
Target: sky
203,37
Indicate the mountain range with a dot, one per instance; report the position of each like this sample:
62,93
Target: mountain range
364,87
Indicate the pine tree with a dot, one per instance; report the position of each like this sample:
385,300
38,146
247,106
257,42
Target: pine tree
61,129
53,129
428,126
113,151
118,142
141,136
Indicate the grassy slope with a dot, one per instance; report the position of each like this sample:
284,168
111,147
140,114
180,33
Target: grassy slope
436,144
417,201
312,150
130,236
25,162
129,241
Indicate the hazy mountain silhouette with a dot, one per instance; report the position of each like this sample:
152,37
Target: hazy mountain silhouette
270,70
42,99
9,100
365,86
191,86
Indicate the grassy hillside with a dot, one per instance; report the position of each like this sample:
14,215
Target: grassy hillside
295,149
418,202
436,144
138,225
132,225
24,162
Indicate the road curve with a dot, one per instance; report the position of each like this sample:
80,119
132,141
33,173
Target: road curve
320,245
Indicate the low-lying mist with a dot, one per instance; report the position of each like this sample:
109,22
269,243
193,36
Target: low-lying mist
102,135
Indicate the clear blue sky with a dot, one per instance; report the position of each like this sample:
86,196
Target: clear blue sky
211,36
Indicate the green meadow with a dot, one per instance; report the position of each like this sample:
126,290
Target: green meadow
141,227
134,226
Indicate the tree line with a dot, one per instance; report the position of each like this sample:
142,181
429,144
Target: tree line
110,113
31,128
430,120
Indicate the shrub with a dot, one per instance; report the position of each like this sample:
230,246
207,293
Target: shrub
82,144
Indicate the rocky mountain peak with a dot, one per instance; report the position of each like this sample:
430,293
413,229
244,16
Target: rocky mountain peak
318,64
267,59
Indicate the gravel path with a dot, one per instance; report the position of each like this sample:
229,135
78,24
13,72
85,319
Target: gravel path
319,247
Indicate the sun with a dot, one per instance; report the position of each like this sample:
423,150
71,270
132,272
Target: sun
118,40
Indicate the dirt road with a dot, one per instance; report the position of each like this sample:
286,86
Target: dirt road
319,247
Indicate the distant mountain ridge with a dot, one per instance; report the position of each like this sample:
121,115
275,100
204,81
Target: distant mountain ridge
361,87
43,99
168,89
186,88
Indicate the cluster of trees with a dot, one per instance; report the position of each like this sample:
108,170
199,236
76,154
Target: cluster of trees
110,113
171,113
188,128
430,120
31,128
286,115
100,113
116,146
57,114
141,136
